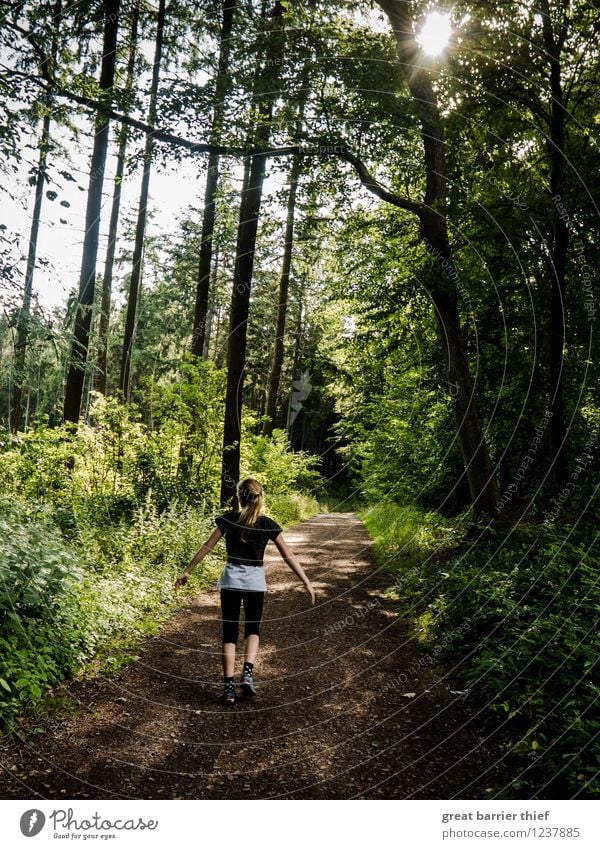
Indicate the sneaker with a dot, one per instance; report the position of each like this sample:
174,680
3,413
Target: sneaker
248,688
228,697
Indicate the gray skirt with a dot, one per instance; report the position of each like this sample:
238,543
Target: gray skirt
239,576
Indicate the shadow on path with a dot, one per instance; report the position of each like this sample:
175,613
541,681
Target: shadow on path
347,706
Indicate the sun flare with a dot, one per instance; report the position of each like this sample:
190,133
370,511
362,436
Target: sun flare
435,33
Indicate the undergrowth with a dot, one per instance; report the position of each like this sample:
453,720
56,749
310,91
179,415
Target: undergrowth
512,614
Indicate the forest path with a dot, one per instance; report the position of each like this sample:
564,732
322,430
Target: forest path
332,718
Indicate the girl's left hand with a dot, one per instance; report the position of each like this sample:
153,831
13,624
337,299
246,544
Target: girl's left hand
181,580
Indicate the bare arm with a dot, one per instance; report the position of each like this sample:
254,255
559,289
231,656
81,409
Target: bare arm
204,549
294,564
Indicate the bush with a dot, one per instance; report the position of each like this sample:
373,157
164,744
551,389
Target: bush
405,536
59,606
514,617
289,509
33,658
39,575
399,446
279,469
96,522
35,465
532,648
105,471
37,571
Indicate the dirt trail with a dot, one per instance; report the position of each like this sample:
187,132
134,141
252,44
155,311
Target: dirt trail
330,719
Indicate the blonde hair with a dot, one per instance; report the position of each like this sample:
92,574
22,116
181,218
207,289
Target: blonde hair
250,494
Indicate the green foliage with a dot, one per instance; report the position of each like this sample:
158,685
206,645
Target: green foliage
35,463
533,600
118,463
182,458
38,582
279,469
404,536
96,523
62,601
35,570
33,658
401,446
514,616
287,509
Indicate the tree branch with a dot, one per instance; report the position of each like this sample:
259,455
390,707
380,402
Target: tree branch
370,183
28,34
318,147
157,133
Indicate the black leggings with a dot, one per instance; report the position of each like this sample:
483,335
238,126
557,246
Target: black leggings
231,601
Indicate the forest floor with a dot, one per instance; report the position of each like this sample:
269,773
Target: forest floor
348,705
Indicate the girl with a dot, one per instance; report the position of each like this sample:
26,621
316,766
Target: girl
246,533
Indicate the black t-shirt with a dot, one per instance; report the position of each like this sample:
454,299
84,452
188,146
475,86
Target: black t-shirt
252,550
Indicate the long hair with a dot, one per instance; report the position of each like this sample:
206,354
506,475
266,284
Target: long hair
250,494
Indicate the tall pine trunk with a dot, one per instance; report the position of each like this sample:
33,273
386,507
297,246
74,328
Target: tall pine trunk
23,318
87,280
298,334
114,217
284,279
560,243
254,177
443,294
212,181
140,230
282,302
210,315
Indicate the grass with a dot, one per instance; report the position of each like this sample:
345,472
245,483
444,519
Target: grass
512,617
405,536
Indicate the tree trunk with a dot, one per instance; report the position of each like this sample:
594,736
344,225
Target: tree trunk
254,174
282,304
560,245
81,333
434,230
140,230
284,280
24,313
289,423
210,316
212,181
244,263
114,218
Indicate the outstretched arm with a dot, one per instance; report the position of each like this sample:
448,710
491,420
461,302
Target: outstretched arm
204,549
294,564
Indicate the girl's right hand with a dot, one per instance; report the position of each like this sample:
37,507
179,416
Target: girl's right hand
311,591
